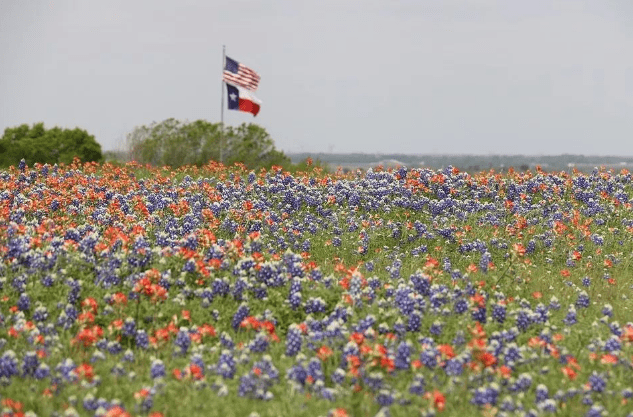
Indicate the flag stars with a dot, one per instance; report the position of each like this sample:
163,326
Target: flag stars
233,97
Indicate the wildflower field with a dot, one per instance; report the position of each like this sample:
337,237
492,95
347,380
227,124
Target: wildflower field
131,290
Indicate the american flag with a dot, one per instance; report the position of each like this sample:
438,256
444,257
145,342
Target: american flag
236,73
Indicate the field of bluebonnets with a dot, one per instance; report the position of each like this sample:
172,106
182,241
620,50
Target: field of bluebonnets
130,290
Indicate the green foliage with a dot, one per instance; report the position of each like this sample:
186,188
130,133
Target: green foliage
38,144
175,143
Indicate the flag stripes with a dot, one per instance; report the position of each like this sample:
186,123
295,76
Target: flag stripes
239,74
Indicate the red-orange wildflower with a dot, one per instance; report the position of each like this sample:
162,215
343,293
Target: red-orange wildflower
338,412
357,338
117,411
609,359
569,372
446,351
518,249
324,352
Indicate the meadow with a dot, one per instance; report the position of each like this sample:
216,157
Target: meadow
215,291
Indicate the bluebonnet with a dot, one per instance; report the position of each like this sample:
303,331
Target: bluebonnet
226,340
220,287
523,319
238,290
254,387
582,301
102,344
338,376
612,344
24,302
294,299
417,386
459,338
226,365
596,410
507,404
548,405
114,347
328,394
241,313
541,314
374,380
128,356
523,383
141,339
30,362
414,322
615,328
384,398
90,402
460,306
499,313
403,300
394,270
157,369
436,328
42,371
315,370
65,368
183,341
479,314
350,349
570,318
315,305
259,343
541,393
428,357
597,382
40,314
118,370
129,327
597,239
403,355
293,340
453,367
486,395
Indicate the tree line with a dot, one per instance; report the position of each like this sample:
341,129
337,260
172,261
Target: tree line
175,143
171,143
37,144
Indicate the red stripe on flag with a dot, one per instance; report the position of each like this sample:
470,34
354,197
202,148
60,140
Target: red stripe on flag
249,106
245,82
245,77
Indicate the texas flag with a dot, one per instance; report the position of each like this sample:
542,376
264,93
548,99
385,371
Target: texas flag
241,99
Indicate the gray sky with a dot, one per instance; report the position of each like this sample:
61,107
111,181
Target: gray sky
407,76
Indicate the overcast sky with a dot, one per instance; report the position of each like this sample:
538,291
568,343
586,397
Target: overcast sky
406,76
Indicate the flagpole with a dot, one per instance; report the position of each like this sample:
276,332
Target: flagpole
222,107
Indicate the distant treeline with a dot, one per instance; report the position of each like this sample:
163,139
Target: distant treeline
470,163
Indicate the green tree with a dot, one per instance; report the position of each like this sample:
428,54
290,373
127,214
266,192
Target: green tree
253,146
176,143
37,144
